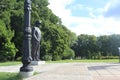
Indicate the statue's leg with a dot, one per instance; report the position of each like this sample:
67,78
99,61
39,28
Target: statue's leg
33,52
38,53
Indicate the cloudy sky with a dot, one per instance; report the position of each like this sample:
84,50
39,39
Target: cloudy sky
94,17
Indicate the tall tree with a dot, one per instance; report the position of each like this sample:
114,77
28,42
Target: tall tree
115,43
7,48
104,45
85,46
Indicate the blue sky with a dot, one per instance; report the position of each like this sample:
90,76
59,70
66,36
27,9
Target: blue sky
83,7
93,17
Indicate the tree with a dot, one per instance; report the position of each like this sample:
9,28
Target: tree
68,54
104,45
115,43
56,38
85,46
7,48
56,42
17,25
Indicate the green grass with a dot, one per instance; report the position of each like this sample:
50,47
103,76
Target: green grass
86,60
35,73
64,61
9,76
9,63
12,76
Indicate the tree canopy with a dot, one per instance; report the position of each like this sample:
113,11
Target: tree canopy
91,47
56,38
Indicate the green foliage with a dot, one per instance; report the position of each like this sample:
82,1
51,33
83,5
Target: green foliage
17,25
56,39
7,48
4,16
6,4
2,29
8,52
68,54
92,47
115,43
104,45
47,58
85,46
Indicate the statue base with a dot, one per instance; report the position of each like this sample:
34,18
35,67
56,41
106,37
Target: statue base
26,74
37,62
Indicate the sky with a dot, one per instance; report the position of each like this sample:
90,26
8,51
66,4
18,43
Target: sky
92,17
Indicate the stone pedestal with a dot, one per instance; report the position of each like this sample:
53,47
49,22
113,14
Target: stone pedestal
37,62
26,74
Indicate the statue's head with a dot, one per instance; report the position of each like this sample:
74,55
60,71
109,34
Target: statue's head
37,23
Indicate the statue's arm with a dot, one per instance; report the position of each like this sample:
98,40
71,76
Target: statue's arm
36,38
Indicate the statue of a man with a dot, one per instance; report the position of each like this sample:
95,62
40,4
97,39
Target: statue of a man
36,37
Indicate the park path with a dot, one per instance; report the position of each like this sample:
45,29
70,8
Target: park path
72,71
78,71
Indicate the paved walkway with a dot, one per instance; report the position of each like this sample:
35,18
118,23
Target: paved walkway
72,71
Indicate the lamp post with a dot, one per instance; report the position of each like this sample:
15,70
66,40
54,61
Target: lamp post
119,54
26,70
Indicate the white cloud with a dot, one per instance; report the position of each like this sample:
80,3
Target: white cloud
107,6
59,8
97,25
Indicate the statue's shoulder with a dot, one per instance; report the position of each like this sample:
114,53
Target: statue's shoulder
37,29
34,28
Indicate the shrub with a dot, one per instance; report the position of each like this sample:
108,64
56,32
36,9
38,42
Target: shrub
68,54
56,57
8,51
47,58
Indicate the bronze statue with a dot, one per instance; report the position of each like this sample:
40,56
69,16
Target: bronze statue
36,37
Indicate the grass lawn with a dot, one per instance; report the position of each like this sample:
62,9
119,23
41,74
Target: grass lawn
63,61
10,63
9,76
86,60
